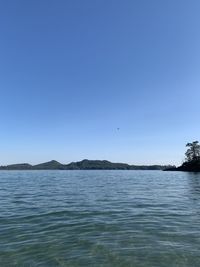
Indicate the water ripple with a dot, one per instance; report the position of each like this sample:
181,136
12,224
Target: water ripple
99,218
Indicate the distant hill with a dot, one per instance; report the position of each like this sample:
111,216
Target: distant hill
97,165
22,166
50,165
82,165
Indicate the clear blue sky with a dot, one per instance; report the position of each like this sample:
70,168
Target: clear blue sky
73,71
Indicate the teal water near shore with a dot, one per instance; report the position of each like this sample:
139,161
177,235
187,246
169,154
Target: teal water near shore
99,218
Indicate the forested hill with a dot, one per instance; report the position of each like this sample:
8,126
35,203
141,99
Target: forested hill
192,159
83,165
191,166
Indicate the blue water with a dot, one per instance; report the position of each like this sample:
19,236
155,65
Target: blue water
99,218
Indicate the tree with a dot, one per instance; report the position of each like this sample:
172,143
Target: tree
193,152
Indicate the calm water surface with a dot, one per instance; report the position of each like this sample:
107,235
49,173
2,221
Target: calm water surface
99,218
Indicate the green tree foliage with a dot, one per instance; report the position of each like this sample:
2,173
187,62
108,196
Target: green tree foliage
193,151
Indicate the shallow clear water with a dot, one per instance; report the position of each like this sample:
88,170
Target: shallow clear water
99,218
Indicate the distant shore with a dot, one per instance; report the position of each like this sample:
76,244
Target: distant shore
191,166
84,165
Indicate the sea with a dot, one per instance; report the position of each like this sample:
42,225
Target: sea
99,218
